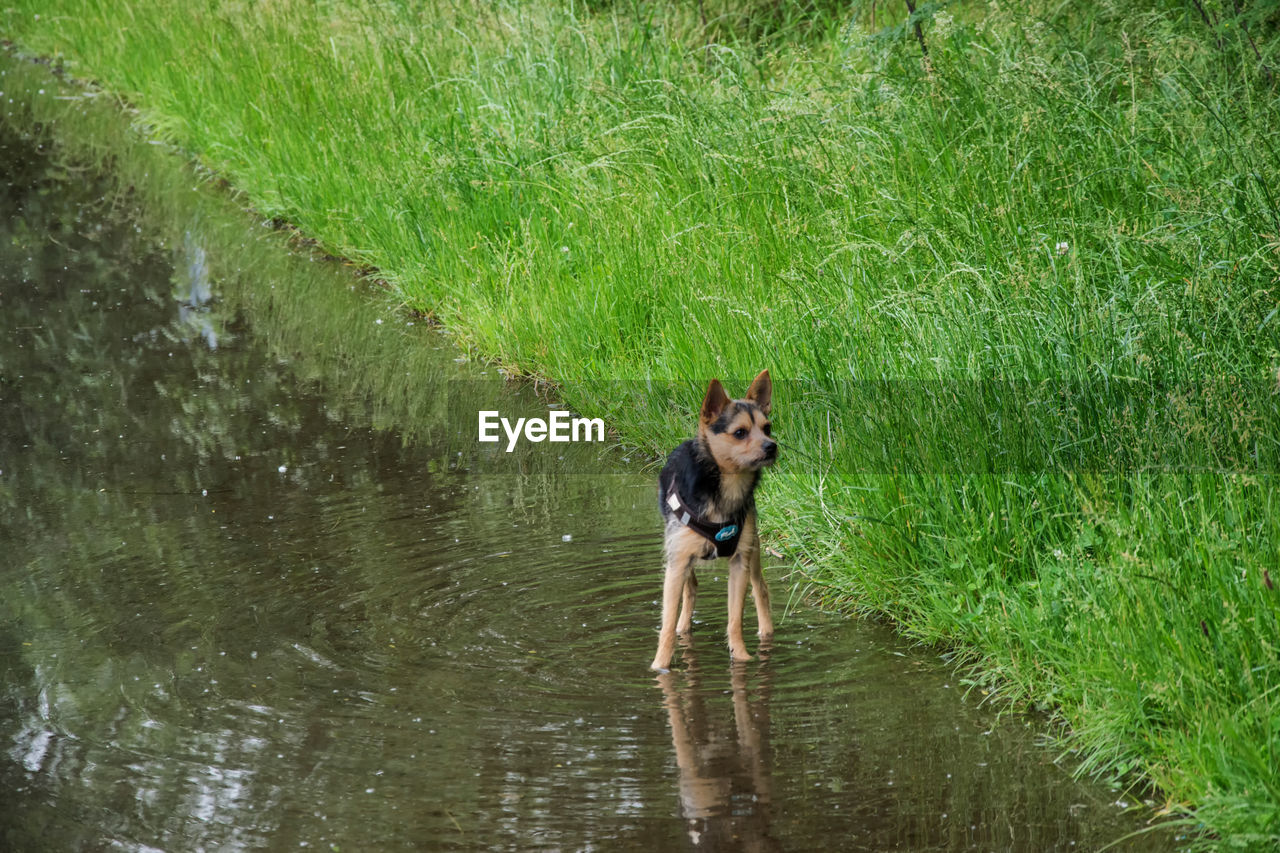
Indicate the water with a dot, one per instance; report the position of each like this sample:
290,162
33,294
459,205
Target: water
238,610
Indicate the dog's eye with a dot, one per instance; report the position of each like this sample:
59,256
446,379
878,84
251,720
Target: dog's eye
740,433
767,429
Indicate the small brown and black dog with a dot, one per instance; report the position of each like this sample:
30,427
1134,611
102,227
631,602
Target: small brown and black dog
707,496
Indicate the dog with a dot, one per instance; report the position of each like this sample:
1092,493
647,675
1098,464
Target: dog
706,493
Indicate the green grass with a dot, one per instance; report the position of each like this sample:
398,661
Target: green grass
1022,300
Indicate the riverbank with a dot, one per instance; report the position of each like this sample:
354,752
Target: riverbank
1022,298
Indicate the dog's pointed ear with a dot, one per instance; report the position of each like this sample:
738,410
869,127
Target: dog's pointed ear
761,391
715,401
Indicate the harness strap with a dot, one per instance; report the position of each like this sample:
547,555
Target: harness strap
724,535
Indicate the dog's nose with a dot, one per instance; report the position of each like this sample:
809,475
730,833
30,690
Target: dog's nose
770,448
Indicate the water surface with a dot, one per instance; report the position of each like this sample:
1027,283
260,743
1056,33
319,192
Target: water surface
252,598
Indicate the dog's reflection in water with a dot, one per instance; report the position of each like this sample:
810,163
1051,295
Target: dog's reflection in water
725,777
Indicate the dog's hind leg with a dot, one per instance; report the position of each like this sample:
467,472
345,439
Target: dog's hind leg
685,625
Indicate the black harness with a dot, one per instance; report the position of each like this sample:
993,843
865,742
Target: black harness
724,535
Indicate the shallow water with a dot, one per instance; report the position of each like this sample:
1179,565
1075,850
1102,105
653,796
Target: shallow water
239,611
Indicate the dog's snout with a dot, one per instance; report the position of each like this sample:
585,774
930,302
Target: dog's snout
770,448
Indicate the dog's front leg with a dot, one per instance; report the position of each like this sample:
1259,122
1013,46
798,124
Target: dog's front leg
760,590
739,574
679,569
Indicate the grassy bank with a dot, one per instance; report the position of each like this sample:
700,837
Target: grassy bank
1022,296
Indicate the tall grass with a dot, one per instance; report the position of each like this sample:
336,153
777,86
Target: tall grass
1023,295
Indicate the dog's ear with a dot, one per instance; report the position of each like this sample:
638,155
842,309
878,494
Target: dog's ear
761,391
715,401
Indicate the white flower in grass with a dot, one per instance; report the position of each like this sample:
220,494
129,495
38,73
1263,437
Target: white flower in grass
1063,247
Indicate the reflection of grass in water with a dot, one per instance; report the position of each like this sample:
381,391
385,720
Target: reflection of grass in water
618,193
157,659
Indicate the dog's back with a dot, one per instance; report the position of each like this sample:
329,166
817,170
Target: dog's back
694,475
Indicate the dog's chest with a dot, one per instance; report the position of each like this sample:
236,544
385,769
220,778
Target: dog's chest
727,503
